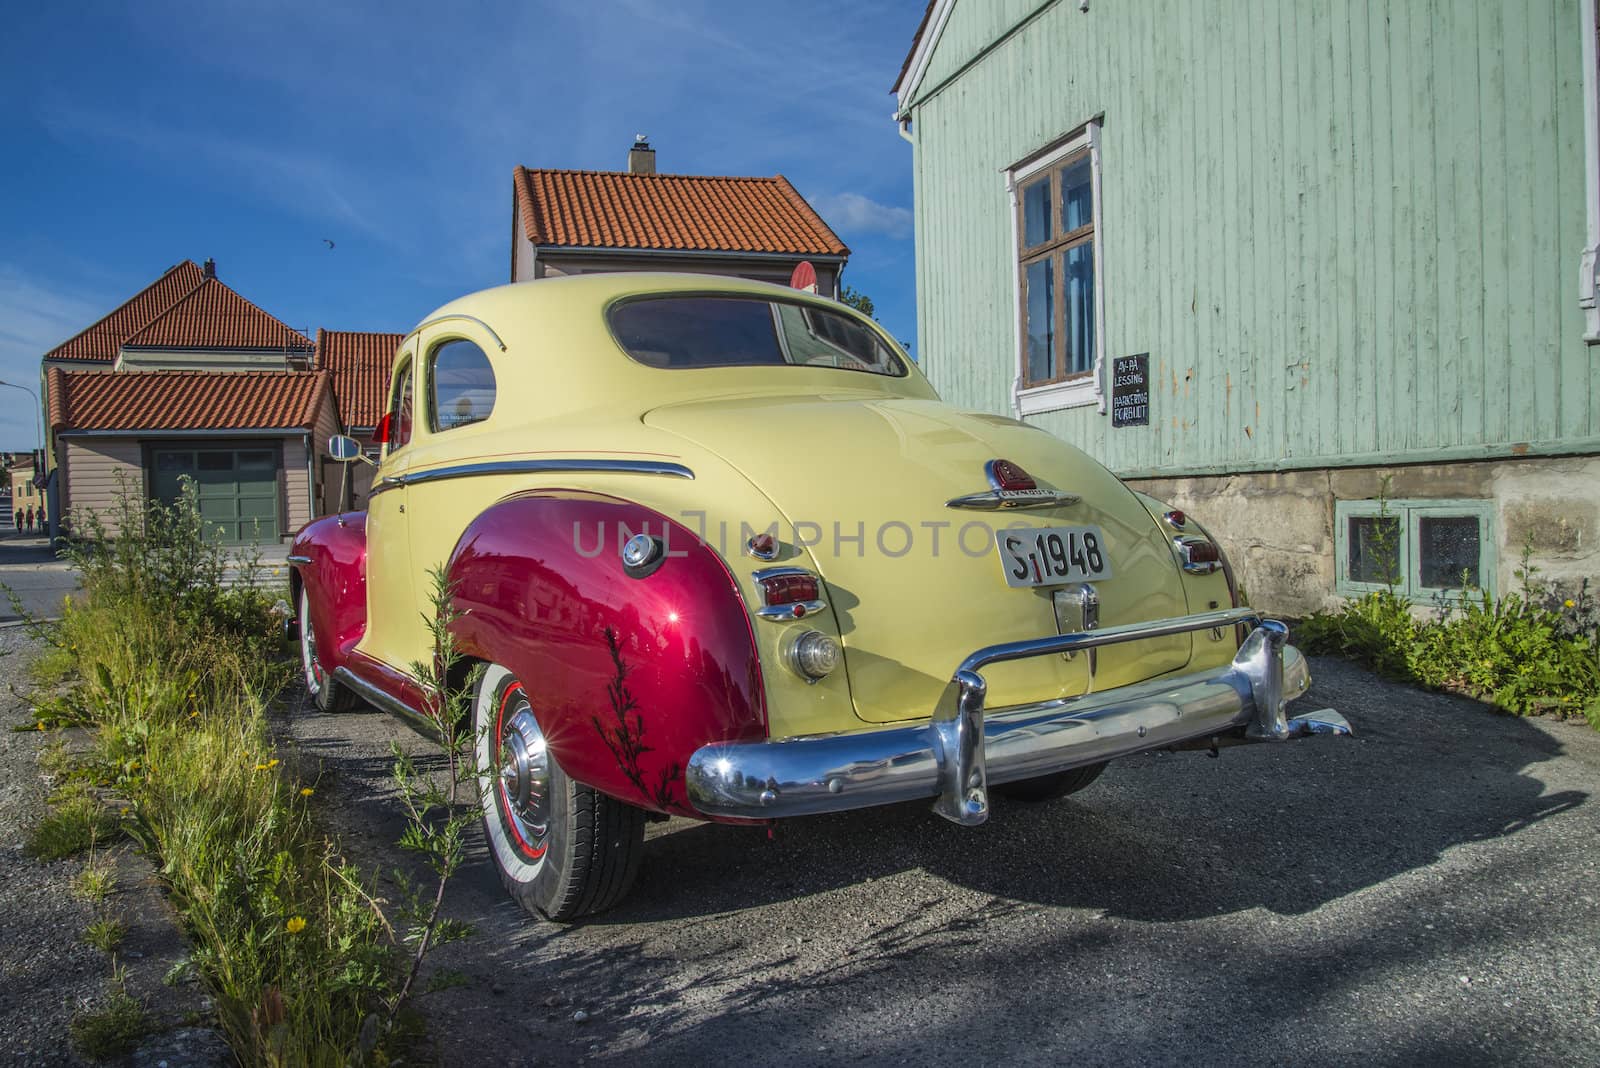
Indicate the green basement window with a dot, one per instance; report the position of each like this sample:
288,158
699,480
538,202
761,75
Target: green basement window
1425,549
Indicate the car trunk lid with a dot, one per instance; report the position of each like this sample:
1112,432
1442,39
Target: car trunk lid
916,585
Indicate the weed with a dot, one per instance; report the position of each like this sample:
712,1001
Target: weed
113,1030
95,882
71,827
105,933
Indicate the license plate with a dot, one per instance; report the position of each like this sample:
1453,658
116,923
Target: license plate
1050,556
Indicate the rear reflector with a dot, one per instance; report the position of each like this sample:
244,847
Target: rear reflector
1198,555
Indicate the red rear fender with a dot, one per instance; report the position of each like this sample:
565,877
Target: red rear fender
627,676
330,562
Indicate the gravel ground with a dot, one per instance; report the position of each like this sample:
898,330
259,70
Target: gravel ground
1424,893
46,971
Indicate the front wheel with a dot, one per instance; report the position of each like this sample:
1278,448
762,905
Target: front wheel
564,849
326,692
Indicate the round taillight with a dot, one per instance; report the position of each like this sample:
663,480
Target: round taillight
814,655
1176,519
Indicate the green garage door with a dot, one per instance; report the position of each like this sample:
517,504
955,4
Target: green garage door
238,489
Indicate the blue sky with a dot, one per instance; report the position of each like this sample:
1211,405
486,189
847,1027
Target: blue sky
139,135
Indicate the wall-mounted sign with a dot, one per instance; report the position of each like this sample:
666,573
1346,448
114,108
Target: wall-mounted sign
1130,390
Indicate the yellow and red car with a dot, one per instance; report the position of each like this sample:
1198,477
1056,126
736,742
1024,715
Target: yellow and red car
721,552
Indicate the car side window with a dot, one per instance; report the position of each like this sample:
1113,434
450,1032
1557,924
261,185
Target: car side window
461,382
400,411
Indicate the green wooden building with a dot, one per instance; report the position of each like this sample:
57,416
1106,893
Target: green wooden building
1354,243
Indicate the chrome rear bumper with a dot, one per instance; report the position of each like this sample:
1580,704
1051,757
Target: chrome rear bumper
955,756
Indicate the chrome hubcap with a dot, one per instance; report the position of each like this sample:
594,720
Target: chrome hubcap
524,786
308,653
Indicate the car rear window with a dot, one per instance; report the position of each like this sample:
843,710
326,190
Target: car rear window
700,331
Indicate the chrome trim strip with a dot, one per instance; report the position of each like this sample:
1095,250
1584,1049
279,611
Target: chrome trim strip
528,467
381,700
962,749
447,318
781,572
298,559
995,499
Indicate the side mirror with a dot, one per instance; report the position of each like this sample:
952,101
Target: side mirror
345,449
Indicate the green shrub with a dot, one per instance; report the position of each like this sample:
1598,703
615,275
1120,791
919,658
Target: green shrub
105,933
1537,651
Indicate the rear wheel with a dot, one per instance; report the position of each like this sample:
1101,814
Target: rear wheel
564,850
1050,787
326,692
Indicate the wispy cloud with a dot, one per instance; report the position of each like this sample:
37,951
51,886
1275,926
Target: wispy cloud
854,213
34,318
304,183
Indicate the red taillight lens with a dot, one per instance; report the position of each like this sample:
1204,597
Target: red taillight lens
1204,552
789,589
1177,519
1011,477
380,435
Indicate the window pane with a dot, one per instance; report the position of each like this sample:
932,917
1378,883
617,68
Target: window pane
400,431
1036,212
463,385
1077,195
1374,543
1041,320
216,461
702,332
1448,549
1080,308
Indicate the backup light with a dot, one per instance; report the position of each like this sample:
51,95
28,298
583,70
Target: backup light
814,655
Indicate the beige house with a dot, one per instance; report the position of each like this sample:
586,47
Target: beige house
249,440
580,222
189,380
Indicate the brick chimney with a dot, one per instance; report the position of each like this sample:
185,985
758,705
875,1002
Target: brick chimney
208,269
641,157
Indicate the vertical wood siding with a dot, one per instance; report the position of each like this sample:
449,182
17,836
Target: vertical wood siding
1344,230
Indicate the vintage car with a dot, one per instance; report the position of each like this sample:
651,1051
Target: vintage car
721,552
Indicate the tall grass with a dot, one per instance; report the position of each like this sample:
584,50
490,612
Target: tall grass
174,674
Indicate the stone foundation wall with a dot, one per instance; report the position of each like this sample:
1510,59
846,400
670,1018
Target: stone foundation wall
1278,527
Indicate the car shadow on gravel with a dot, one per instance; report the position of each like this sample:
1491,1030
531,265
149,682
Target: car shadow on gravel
1166,837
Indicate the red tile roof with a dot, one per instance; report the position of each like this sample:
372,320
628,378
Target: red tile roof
185,400
212,316
360,364
100,342
614,209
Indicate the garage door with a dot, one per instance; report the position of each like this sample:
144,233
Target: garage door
238,489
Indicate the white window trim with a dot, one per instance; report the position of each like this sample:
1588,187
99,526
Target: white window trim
1589,261
1082,391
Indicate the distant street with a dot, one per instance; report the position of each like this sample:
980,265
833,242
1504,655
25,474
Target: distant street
29,568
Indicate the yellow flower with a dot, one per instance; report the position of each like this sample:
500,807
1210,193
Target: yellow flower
272,763
1569,603
41,725
261,767
295,925
306,791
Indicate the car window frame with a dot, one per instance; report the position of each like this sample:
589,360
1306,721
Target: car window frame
429,363
403,374
901,359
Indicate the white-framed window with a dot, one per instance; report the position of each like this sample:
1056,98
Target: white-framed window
1424,549
1056,241
1589,263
